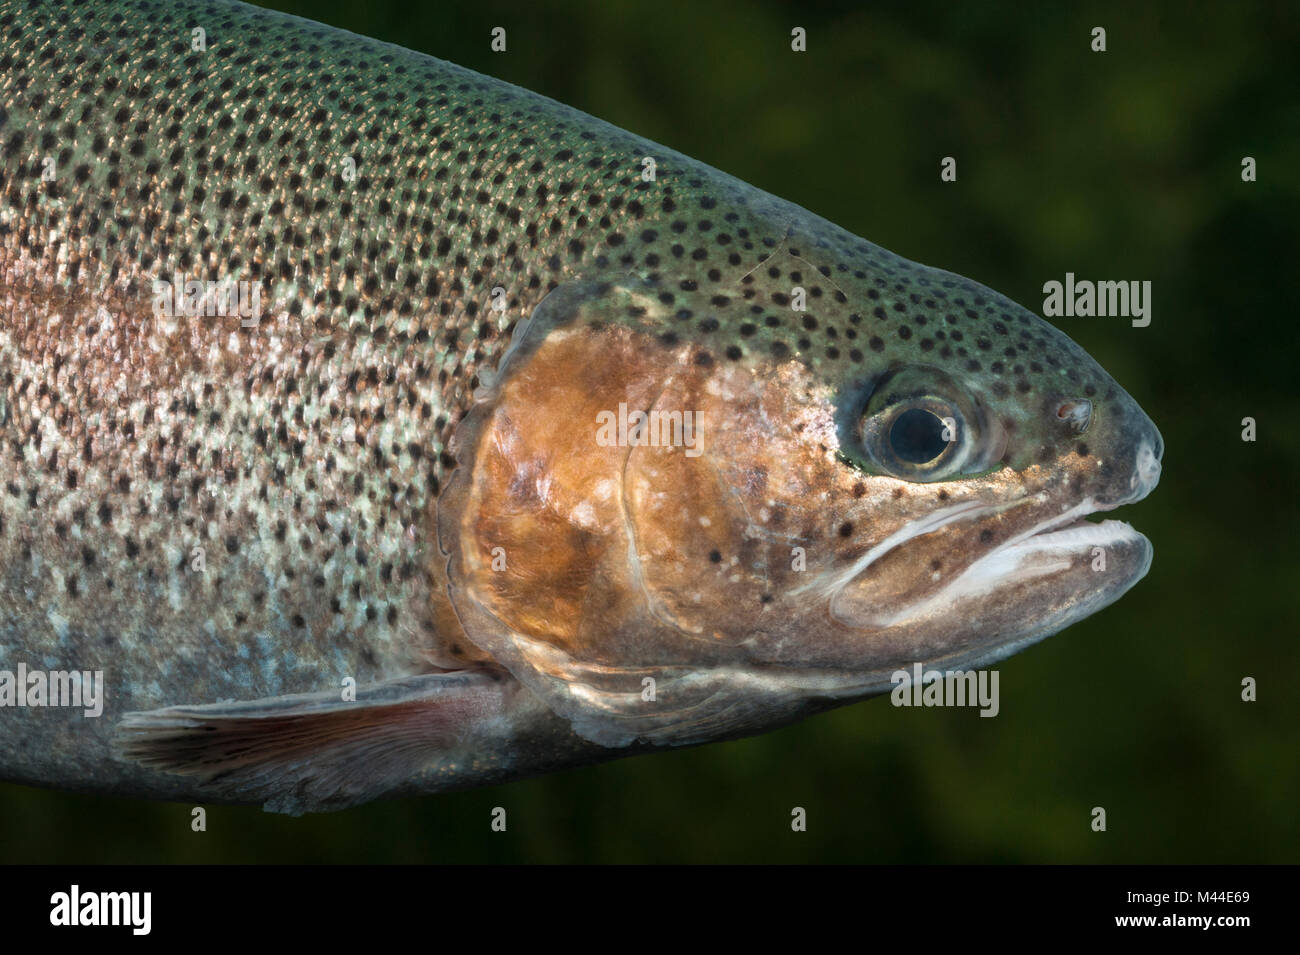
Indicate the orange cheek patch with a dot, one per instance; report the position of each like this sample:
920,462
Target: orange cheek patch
621,553
539,525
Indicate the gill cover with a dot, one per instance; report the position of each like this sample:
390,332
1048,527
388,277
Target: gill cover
622,580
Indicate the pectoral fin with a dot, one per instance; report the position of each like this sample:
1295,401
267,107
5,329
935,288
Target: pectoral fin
315,752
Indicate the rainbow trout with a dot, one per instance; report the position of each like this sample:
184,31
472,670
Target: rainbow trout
372,427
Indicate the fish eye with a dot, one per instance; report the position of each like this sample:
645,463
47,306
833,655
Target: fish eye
918,436
918,424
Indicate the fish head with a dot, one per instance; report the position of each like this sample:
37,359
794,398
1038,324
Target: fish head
679,520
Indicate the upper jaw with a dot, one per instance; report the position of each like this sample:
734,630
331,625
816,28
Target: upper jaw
1068,526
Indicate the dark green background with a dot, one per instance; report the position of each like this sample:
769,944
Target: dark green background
1122,165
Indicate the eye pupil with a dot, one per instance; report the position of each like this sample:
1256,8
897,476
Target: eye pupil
917,436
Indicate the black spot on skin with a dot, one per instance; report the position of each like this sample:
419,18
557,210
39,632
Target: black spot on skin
715,556
986,536
846,529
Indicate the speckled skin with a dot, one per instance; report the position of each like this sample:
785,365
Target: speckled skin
305,455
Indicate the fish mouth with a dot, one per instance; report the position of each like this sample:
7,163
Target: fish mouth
1036,582
1053,545
1051,574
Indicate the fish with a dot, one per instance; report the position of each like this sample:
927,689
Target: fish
371,427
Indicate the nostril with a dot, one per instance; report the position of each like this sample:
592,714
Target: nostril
1076,413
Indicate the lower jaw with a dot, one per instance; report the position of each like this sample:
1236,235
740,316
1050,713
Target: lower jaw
1115,553
1092,565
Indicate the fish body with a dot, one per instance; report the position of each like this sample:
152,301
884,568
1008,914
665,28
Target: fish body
376,427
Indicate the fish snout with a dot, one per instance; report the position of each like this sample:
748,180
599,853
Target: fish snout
1149,450
1132,464
1146,469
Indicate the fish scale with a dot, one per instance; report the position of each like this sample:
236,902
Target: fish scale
378,197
